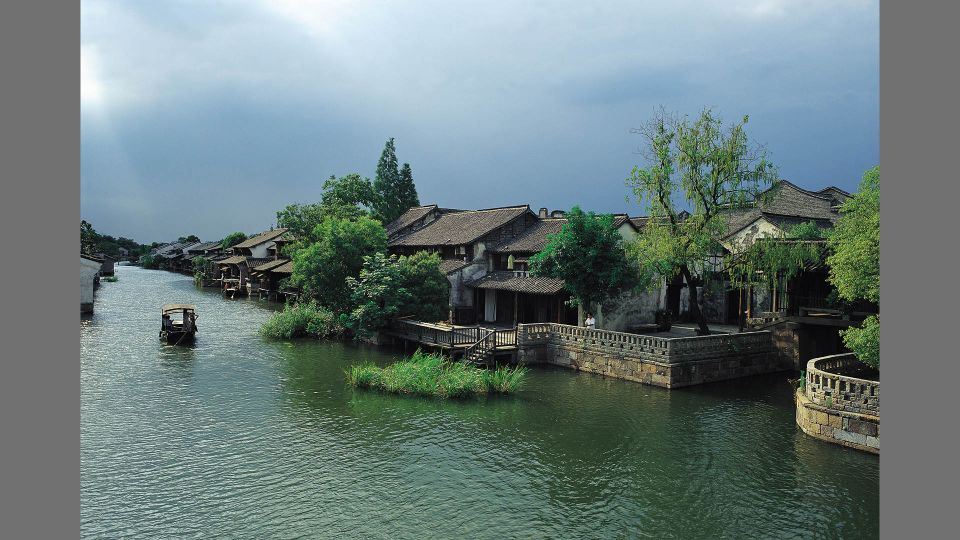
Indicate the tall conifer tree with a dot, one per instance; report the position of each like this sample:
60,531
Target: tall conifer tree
408,191
386,185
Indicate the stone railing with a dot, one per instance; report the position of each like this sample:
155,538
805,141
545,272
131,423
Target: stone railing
826,388
652,348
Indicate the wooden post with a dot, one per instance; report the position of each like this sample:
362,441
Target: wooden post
516,303
773,301
740,307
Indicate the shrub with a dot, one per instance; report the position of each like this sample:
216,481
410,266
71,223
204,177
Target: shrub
865,341
302,320
434,375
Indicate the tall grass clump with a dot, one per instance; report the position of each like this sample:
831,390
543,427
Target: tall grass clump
302,320
434,375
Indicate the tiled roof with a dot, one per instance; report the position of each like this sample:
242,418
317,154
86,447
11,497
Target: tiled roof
510,281
791,200
236,259
534,238
620,219
270,265
639,222
204,246
285,268
459,228
260,238
452,265
408,218
788,205
162,250
253,262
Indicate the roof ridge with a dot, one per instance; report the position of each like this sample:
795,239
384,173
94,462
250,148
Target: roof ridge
527,206
798,188
845,192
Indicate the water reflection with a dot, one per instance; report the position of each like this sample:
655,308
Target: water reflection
239,436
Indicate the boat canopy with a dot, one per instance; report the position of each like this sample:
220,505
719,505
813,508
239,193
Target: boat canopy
171,308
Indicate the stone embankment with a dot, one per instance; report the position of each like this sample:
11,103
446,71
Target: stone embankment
839,408
669,362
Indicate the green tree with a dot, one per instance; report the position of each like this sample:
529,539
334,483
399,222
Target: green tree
429,288
387,287
150,261
407,190
190,239
88,238
588,255
855,262
773,261
348,196
301,219
233,239
321,269
200,266
705,168
386,185
376,294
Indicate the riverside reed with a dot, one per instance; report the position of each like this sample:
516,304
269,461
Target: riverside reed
302,320
434,375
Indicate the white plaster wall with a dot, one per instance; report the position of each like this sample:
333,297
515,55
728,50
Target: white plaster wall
627,232
260,251
630,308
744,237
88,271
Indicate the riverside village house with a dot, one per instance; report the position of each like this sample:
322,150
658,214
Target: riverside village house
485,256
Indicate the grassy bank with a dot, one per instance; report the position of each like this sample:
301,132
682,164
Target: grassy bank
433,375
302,320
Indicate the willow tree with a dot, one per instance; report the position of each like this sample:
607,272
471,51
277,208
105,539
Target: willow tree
704,169
773,261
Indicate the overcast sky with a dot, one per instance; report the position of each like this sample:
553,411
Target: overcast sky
207,117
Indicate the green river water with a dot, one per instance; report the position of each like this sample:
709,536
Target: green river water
240,437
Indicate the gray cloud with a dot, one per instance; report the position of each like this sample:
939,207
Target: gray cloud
244,107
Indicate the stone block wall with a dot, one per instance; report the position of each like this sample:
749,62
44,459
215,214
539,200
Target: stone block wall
839,409
666,362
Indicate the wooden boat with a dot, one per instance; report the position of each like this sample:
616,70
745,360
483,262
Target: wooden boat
178,323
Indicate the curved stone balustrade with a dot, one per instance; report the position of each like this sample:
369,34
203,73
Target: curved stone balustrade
838,408
825,387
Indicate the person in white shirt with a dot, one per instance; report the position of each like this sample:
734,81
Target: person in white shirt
590,322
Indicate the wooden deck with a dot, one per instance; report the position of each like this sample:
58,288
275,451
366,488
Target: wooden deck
475,344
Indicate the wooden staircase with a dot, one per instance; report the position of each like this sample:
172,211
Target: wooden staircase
481,352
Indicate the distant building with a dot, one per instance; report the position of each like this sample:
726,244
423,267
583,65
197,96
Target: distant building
89,275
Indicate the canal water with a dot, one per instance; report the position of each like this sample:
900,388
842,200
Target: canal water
240,437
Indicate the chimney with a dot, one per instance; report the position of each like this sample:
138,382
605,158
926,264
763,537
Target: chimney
543,213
